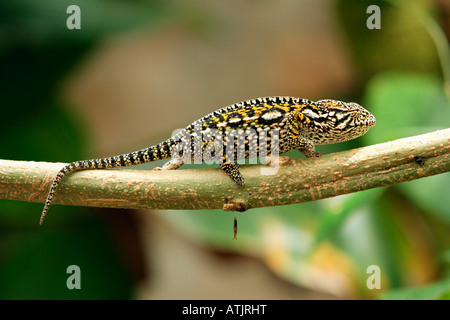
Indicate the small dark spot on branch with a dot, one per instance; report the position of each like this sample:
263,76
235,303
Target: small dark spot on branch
420,161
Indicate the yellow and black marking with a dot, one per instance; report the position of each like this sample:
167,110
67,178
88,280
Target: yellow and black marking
288,123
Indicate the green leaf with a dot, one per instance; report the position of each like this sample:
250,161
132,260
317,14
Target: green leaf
404,105
436,291
337,210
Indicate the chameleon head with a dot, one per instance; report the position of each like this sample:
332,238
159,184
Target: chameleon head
338,121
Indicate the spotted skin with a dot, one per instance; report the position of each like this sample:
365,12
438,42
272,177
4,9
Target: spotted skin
286,123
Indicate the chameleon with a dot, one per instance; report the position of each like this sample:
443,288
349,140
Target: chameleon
286,123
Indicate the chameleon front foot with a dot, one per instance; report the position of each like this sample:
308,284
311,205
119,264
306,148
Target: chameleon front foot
232,170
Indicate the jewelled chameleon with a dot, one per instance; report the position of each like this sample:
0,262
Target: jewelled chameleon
286,123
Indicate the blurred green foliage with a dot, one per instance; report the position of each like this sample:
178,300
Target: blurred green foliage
402,43
34,262
325,245
437,291
36,53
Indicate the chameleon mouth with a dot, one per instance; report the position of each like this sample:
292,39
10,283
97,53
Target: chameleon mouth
369,119
372,121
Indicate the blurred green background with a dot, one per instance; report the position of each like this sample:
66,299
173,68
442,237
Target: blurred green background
138,70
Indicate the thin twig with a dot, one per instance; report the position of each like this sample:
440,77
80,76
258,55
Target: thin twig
297,180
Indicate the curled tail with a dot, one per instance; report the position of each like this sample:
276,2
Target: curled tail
158,152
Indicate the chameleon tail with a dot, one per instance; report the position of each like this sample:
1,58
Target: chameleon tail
53,187
158,152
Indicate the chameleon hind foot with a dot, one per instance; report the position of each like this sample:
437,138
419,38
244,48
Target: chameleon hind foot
173,164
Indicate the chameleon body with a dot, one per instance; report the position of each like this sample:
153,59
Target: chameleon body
285,123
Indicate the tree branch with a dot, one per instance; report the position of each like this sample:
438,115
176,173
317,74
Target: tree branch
297,180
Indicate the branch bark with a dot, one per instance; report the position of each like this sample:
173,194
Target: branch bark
297,180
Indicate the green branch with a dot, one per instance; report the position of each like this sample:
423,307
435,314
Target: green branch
297,180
